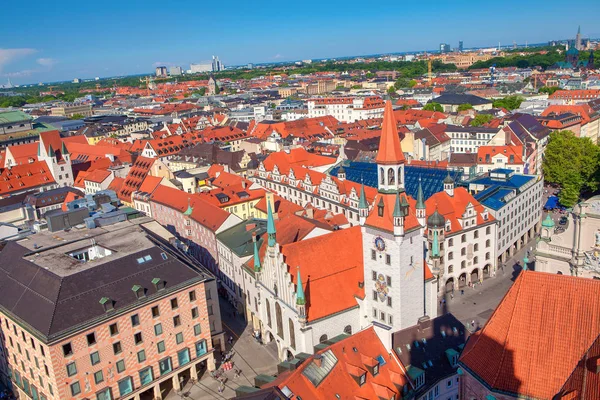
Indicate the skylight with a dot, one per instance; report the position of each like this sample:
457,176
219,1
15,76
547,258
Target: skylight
91,253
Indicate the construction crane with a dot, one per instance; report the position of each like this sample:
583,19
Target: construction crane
430,71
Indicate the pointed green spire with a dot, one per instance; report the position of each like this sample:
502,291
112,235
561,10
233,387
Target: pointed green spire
362,201
420,202
51,152
300,300
189,210
435,246
256,258
397,208
63,149
270,225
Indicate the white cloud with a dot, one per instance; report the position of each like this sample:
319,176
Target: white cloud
46,62
9,55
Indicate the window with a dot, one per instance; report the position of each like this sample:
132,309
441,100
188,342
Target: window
117,348
176,321
137,338
67,349
197,329
195,312
450,242
135,320
463,238
155,312
448,383
179,338
75,388
389,280
174,304
71,369
373,255
91,338
374,275
192,295
388,259
488,230
183,357
487,243
450,256
104,395
95,358
125,386
450,269
160,346
463,264
120,366
475,260
389,301
382,316
200,348
375,369
141,356
362,379
487,256
476,234
98,377
113,329
165,366
476,247
146,376
158,329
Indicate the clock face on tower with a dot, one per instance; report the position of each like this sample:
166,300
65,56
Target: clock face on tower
379,243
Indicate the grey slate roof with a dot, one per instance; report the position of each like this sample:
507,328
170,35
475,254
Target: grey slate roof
52,301
455,98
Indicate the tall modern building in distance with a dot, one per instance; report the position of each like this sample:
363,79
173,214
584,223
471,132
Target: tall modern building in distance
204,66
175,71
161,71
444,48
217,65
460,45
578,39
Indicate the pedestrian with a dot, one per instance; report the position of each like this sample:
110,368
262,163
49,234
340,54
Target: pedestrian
462,292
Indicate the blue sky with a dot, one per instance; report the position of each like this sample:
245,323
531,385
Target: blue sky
43,41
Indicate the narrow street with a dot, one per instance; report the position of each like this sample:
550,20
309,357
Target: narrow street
250,357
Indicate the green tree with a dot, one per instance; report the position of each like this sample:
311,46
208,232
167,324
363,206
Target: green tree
509,102
401,83
548,89
391,90
464,107
481,119
573,164
412,83
77,116
433,106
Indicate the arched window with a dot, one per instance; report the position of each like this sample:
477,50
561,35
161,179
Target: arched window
450,269
463,264
292,334
268,313
475,260
391,177
487,243
348,330
463,251
399,175
279,320
381,176
322,338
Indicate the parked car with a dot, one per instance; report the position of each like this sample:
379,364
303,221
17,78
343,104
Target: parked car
563,220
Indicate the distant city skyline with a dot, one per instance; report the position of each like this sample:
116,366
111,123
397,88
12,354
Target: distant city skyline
85,40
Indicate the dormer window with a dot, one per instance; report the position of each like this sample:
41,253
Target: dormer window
139,291
376,369
362,379
107,304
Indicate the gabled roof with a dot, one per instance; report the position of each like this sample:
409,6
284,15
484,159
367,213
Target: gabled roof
453,207
538,334
135,177
23,177
335,371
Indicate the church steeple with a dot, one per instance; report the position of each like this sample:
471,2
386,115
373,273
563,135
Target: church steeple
390,158
398,216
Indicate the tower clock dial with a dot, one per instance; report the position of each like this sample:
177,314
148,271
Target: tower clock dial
379,243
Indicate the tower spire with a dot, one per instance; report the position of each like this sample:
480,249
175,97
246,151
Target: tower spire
420,202
256,256
390,151
300,299
270,225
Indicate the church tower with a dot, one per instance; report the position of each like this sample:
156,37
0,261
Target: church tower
390,158
420,208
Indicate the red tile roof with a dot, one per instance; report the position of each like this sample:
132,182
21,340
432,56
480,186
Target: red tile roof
135,177
390,151
26,176
386,221
296,157
204,213
453,207
97,176
537,335
331,278
23,153
356,355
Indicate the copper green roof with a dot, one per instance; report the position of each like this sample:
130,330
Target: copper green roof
13,116
300,300
362,201
548,222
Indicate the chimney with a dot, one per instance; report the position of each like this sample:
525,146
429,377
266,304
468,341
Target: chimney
243,183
